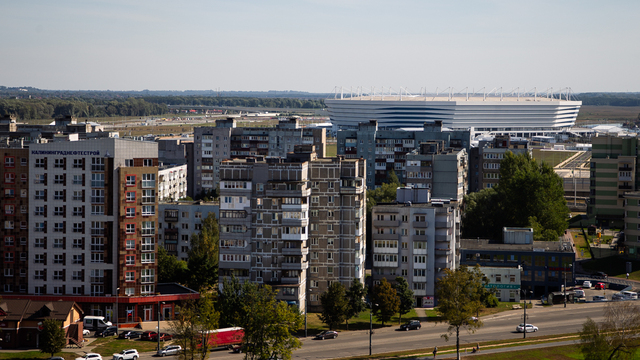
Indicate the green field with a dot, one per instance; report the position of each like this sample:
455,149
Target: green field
551,157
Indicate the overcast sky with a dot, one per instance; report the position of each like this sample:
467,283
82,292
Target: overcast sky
318,45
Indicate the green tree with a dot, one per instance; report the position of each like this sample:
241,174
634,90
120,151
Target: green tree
385,301
170,269
334,305
52,339
193,325
405,294
527,190
231,303
203,256
616,336
459,295
355,299
269,326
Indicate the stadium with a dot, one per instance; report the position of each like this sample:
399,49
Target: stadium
516,115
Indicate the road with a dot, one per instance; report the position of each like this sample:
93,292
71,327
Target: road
550,320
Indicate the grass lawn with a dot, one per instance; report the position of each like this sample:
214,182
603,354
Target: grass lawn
109,346
551,157
551,353
331,150
581,244
36,355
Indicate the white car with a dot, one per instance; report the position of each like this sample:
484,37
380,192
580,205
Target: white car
86,332
170,350
586,284
599,298
130,354
529,328
90,356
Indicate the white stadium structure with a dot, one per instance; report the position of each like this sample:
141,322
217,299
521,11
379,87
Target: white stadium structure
516,115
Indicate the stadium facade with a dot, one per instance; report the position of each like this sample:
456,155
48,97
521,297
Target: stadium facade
517,116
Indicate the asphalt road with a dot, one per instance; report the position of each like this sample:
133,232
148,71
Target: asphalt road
550,320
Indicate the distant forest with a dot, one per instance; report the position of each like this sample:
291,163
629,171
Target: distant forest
33,104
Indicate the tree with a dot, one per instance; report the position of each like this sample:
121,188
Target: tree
231,303
334,305
355,299
616,336
203,256
385,301
170,269
52,339
269,324
527,191
459,295
405,294
193,325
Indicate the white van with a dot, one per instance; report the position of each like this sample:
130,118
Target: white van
95,322
630,295
579,293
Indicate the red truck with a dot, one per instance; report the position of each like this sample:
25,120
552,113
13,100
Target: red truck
225,338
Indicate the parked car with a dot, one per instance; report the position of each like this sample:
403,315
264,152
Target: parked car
586,284
599,298
110,331
170,350
129,354
527,328
617,296
411,325
327,334
601,275
129,335
165,337
149,335
86,332
579,293
599,286
90,356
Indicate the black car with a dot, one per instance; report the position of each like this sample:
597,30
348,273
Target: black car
110,331
411,325
327,334
601,275
129,335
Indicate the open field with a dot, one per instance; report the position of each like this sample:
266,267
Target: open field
590,114
551,157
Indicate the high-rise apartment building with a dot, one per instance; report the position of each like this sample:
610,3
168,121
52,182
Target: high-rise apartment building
297,224
416,238
614,171
484,159
212,145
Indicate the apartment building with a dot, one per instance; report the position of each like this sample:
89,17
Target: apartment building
614,171
386,150
90,218
484,159
172,182
441,170
631,224
179,221
416,237
297,224
212,145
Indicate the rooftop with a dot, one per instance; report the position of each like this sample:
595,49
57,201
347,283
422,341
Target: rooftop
541,246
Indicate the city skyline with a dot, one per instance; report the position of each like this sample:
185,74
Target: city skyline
316,46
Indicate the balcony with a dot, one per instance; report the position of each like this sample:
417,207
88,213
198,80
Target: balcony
170,217
419,292
443,264
296,251
295,266
420,224
419,237
625,187
443,224
290,280
386,223
393,264
446,238
625,168
385,236
295,222
443,251
625,178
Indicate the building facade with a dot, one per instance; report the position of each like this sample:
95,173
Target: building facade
296,224
416,238
484,159
386,150
172,182
179,221
614,171
212,145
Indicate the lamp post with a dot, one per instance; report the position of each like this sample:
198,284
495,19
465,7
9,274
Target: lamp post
117,298
371,326
159,323
565,284
524,292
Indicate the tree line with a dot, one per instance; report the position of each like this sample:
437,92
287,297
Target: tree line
609,99
51,108
280,103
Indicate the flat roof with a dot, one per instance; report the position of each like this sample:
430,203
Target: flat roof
492,245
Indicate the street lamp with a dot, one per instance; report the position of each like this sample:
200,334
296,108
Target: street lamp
159,323
117,298
306,310
525,313
565,284
371,326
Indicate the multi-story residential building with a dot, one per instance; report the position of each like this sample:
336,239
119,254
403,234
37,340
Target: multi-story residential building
173,150
172,182
296,224
484,159
631,224
614,171
386,150
91,218
212,145
441,170
14,171
415,238
179,221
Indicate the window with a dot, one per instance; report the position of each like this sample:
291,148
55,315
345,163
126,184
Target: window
147,162
77,243
8,272
97,196
97,180
39,243
58,211
40,258
148,244
39,195
130,244
148,180
148,258
58,259
130,260
128,162
97,164
9,209
58,227
77,179
40,163
77,195
8,257
9,161
147,275
58,179
130,196
77,259
9,178
148,210
130,212
148,228
130,276
97,257
97,209
58,195
10,193
130,180
131,229
39,275
78,163
330,256
76,275
77,211
39,227
149,196
58,244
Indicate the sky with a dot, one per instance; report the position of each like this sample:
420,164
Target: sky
321,45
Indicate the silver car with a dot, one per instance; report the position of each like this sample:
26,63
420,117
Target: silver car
170,350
